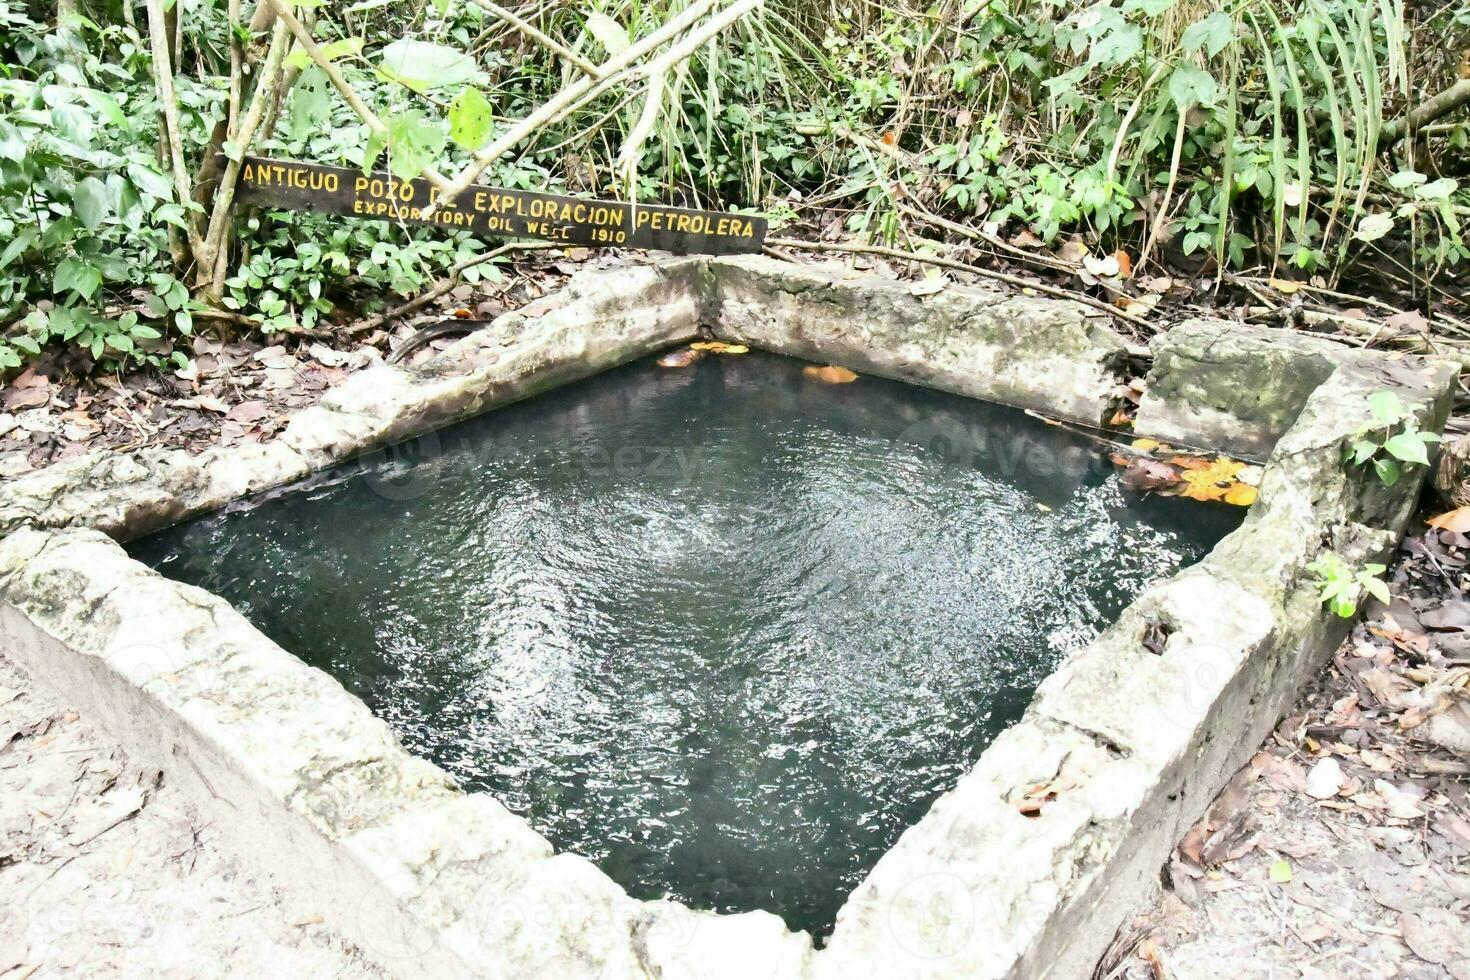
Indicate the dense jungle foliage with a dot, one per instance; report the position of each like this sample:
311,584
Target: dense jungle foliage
1299,138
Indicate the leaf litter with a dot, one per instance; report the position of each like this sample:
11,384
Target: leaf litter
237,390
1342,849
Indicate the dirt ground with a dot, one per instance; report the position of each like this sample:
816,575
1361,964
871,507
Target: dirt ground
1301,887
106,872
1343,848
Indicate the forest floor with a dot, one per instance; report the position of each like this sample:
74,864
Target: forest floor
108,872
1341,850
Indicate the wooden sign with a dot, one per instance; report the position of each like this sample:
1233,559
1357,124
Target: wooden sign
496,211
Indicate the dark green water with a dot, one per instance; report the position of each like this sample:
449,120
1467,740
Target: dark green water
725,630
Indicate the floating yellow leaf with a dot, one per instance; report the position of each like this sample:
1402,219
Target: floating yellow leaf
1210,482
720,347
1188,462
1223,469
1241,495
831,374
1185,475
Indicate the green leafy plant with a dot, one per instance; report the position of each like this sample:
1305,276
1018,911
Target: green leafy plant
1392,441
1341,585
1250,136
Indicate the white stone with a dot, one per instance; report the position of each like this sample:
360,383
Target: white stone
1324,780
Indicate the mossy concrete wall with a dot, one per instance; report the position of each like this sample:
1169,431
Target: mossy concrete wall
1238,388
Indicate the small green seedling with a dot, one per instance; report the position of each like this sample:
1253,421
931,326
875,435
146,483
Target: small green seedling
1341,586
1390,451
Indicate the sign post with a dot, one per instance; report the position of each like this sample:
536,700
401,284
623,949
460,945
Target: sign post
497,211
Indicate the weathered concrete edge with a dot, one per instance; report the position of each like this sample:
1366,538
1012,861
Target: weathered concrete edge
1132,746
1238,387
605,319
1028,352
299,775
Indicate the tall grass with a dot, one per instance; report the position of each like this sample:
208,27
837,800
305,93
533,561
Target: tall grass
1222,133
1272,159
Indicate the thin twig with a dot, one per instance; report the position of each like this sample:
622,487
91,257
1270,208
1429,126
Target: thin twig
1427,111
579,92
1161,218
929,218
1017,281
443,286
536,34
1322,291
1122,135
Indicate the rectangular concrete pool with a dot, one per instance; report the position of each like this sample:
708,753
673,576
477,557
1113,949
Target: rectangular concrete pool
725,629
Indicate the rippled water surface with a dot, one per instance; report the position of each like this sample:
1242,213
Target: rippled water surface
726,630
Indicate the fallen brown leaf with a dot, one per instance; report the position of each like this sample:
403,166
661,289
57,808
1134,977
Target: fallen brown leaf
1435,936
680,358
1146,473
1457,520
246,412
830,374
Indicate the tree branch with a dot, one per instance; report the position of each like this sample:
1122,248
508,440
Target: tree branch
657,72
597,79
224,200
1428,111
237,70
334,75
443,286
583,90
534,33
1043,259
207,175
